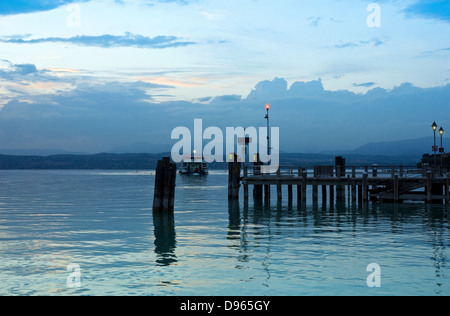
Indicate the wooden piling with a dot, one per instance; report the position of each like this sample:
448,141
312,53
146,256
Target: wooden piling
164,191
429,187
290,197
299,187
365,188
257,188
305,175
447,197
396,191
324,194
234,178
245,184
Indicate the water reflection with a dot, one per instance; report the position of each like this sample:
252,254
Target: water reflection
264,226
165,241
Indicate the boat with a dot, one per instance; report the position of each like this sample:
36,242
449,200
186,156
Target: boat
197,166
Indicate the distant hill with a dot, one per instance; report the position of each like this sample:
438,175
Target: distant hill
99,161
407,148
142,147
38,152
107,161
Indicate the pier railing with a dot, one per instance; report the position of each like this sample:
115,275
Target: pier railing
376,182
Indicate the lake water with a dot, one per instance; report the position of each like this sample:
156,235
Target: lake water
103,222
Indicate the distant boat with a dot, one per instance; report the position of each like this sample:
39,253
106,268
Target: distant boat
196,167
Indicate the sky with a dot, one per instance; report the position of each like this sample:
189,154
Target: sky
93,75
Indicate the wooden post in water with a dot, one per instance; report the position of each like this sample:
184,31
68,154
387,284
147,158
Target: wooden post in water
429,187
447,197
315,187
305,175
234,178
396,188
365,188
353,185
279,194
245,184
340,173
299,187
164,192
257,188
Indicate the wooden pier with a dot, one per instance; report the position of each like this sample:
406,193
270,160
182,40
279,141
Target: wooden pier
358,183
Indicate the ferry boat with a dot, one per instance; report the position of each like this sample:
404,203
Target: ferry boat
196,167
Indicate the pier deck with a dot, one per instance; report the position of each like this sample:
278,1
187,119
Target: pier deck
376,183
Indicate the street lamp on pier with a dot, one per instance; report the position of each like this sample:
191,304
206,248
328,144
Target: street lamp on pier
434,127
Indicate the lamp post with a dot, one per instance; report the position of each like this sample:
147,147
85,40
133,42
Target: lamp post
268,130
434,127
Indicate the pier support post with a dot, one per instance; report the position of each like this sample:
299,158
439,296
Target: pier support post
305,175
365,188
245,184
257,188
353,184
340,173
279,194
429,187
447,197
396,188
299,187
234,178
164,192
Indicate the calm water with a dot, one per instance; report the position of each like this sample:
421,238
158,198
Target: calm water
103,221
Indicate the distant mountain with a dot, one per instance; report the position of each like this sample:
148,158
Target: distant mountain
142,147
38,152
410,147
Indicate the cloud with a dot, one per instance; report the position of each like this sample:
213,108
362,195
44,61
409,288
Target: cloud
98,117
373,42
28,6
430,9
106,41
365,84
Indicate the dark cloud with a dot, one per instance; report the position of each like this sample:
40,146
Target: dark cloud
98,117
365,84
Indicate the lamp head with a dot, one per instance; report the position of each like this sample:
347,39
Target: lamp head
434,127
441,131
267,106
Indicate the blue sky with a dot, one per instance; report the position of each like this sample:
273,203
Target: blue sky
176,56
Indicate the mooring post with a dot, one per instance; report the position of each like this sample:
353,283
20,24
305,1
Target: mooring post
353,184
164,191
396,188
315,187
429,186
279,194
234,178
364,188
305,175
447,198
257,188
374,171
299,187
245,184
